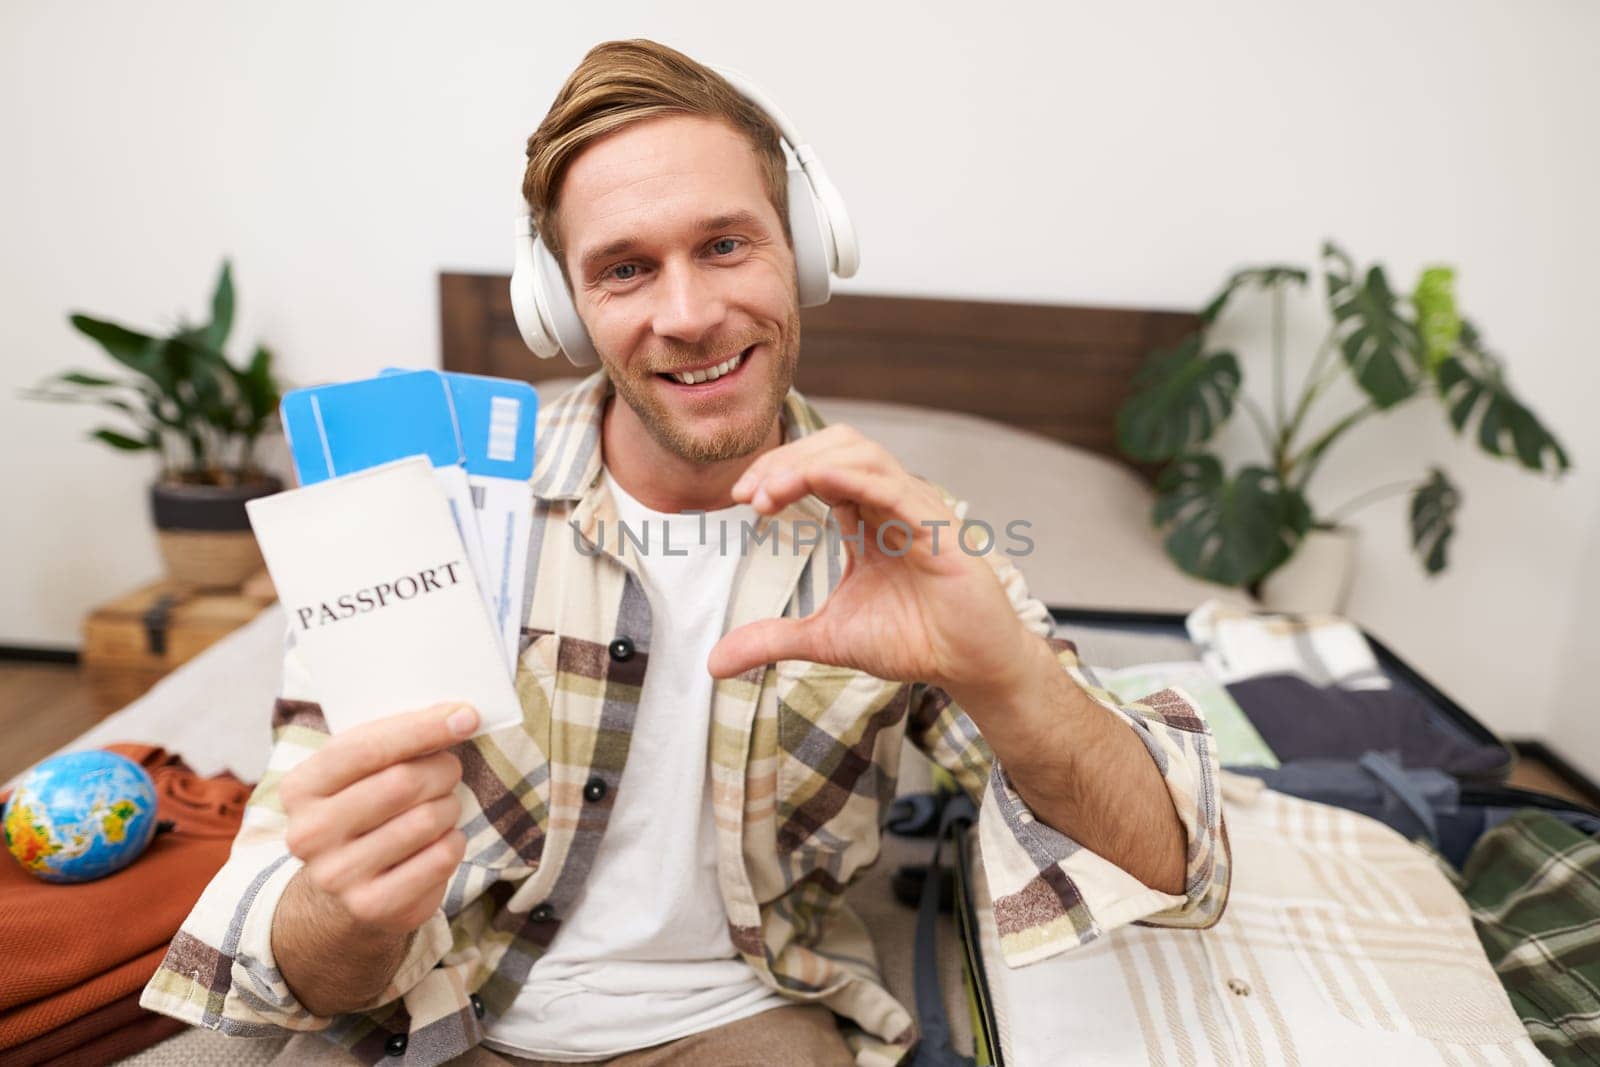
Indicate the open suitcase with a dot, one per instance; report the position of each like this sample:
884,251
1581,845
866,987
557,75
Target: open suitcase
1484,801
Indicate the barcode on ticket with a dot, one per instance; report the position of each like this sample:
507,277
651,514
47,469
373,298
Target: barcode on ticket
504,412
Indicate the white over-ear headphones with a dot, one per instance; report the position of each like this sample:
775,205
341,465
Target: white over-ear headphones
824,244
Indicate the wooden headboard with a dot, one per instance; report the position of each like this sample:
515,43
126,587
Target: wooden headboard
1056,370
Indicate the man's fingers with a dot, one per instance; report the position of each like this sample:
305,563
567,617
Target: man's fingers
386,846
762,642
785,455
404,895
857,494
372,746
371,802
835,484
841,443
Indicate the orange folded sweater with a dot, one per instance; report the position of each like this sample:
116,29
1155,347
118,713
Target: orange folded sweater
105,1035
69,950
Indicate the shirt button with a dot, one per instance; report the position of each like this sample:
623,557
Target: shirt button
477,1005
395,1046
622,649
1238,987
542,914
594,790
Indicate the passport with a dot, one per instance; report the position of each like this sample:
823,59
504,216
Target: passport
380,596
339,429
496,420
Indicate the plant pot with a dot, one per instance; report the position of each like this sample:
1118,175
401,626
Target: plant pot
1318,577
204,531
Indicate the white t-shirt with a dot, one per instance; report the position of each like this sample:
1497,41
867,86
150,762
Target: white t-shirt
645,955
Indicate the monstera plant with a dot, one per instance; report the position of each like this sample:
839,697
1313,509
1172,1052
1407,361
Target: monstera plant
1237,526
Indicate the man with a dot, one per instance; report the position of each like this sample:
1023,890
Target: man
650,869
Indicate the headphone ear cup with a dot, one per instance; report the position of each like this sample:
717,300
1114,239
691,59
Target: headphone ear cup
846,257
809,230
525,303
557,311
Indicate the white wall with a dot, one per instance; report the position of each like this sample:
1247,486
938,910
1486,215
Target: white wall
1572,722
1067,152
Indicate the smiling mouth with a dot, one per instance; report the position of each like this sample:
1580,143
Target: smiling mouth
709,374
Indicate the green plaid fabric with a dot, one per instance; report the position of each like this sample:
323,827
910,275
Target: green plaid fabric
804,758
1533,883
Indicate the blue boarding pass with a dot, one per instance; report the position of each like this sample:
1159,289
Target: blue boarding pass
496,418
340,429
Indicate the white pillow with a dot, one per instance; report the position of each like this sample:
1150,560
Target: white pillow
1089,516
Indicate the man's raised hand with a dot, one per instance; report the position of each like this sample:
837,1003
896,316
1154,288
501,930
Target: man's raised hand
912,605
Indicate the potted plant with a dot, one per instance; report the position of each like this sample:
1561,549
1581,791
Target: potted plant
181,398
1239,528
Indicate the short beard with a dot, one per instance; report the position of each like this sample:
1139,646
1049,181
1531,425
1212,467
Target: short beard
735,441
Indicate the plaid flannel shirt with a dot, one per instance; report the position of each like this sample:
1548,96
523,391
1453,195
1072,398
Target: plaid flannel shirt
1533,884
804,759
1343,943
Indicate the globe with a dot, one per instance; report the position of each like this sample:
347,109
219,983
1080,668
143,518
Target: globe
80,816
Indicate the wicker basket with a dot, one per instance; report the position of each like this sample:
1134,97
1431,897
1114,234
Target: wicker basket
210,559
204,531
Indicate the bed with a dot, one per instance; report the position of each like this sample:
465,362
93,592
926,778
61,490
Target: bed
1009,406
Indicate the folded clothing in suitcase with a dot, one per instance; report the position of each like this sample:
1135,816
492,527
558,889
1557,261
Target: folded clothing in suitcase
1341,942
1533,883
1365,969
1349,691
1341,938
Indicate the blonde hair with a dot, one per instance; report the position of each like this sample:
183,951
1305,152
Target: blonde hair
618,84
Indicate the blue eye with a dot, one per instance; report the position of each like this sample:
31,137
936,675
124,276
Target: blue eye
725,246
625,272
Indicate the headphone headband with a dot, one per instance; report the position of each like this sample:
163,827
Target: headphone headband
824,244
